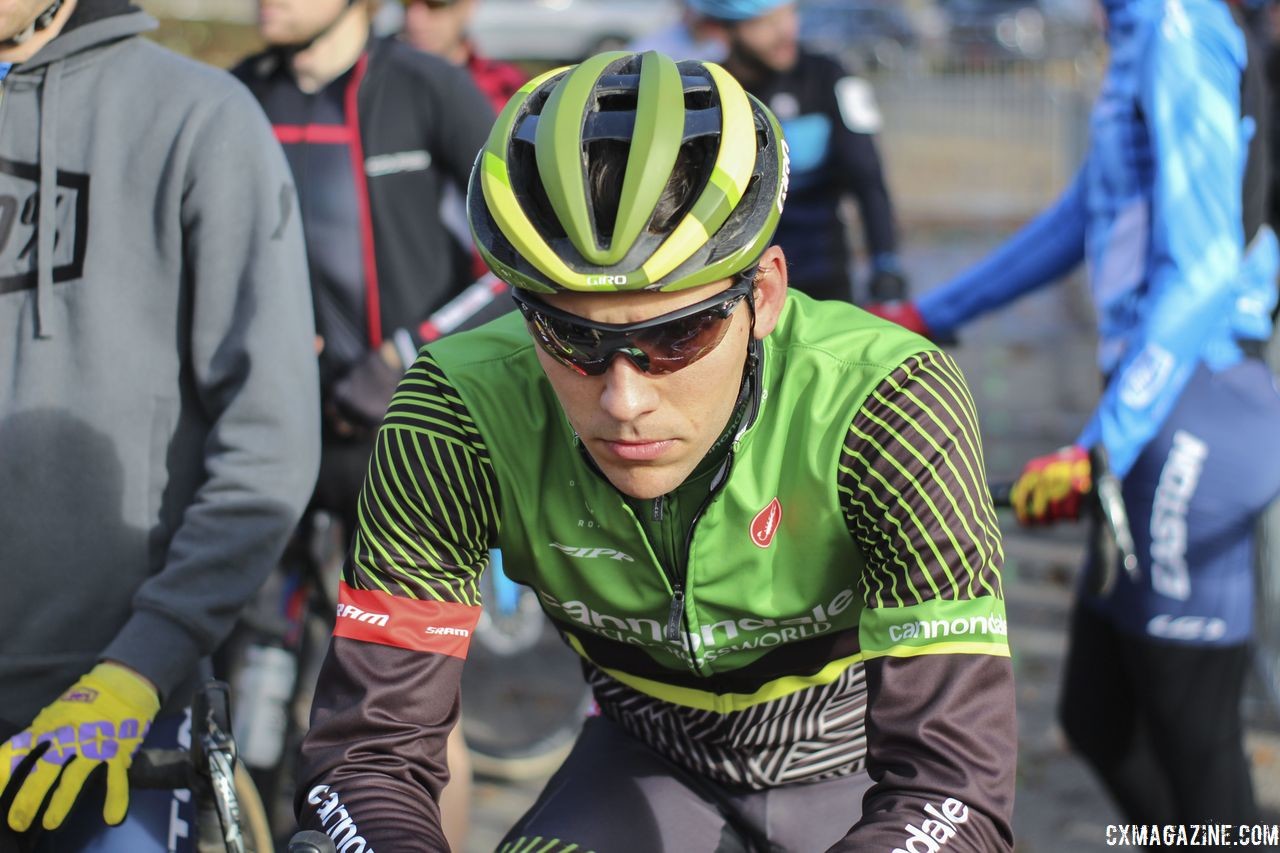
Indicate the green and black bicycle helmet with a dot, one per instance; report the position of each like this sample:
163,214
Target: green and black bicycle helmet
532,211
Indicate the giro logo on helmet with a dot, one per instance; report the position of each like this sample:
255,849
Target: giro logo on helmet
786,175
607,279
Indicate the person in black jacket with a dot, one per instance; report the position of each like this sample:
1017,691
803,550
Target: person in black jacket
381,139
830,120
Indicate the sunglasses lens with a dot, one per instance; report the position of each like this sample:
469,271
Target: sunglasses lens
679,343
658,350
576,347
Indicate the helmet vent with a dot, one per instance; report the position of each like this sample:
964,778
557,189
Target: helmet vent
530,192
617,102
699,98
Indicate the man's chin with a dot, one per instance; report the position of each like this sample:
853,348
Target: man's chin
643,482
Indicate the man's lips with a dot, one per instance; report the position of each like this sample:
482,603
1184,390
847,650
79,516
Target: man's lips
638,451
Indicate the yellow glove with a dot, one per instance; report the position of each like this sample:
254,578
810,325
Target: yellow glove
1052,488
102,719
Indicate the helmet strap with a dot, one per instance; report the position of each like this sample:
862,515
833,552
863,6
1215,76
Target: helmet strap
42,22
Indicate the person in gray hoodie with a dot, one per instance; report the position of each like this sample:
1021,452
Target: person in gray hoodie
158,399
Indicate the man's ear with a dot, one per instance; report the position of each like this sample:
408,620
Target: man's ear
771,290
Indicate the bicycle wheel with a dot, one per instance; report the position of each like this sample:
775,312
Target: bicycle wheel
254,828
523,694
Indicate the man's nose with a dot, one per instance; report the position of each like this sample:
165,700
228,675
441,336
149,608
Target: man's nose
628,391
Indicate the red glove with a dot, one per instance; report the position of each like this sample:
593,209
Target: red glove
904,313
1052,488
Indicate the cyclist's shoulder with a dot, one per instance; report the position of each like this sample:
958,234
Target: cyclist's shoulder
476,351
396,64
820,68
843,336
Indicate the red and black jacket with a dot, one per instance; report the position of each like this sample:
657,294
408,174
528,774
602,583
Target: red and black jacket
377,155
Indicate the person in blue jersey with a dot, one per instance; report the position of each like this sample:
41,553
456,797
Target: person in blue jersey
1168,212
830,120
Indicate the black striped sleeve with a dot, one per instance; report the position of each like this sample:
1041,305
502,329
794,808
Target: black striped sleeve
914,490
373,762
428,508
942,732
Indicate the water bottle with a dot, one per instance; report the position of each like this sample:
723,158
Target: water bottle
263,689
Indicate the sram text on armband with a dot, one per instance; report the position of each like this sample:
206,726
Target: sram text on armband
1193,835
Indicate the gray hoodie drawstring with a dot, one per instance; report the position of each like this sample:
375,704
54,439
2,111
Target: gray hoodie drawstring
47,220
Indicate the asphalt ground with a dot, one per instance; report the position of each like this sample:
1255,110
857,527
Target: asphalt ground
1031,371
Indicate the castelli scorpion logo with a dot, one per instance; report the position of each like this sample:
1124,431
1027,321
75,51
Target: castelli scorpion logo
765,524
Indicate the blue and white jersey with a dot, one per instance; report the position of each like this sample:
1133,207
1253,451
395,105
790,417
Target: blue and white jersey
1156,211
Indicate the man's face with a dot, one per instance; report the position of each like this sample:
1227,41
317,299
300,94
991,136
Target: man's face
771,39
17,15
647,433
289,22
436,26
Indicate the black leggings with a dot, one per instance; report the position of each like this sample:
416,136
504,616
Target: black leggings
1159,723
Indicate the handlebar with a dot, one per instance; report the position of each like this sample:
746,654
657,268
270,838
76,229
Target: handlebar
1114,550
311,841
209,763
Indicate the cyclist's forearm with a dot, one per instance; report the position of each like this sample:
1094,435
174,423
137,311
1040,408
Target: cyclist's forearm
1043,251
373,761
942,755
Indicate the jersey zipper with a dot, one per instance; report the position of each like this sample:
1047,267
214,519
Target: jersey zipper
679,576
676,615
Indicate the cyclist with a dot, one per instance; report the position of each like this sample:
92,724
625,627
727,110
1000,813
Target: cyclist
1182,271
759,519
830,119
440,27
377,134
157,441
374,131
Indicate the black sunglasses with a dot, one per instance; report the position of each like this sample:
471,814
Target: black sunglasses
657,346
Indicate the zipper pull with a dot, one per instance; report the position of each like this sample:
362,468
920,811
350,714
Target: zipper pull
677,613
658,504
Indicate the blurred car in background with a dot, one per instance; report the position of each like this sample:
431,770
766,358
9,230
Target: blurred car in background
565,30
869,34
1017,29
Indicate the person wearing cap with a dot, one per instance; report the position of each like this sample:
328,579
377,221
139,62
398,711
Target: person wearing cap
759,519
830,119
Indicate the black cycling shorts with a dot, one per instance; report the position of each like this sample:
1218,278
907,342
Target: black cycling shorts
614,794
